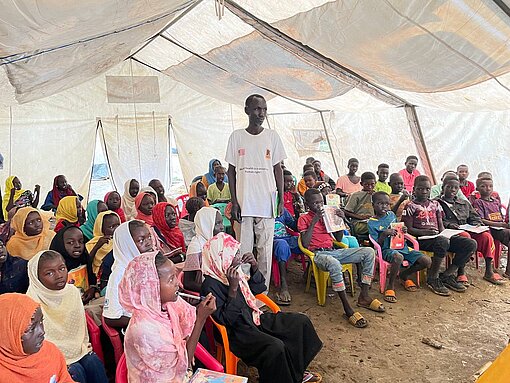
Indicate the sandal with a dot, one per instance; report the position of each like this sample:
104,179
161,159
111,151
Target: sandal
375,305
409,285
494,279
312,377
463,279
282,301
389,296
357,320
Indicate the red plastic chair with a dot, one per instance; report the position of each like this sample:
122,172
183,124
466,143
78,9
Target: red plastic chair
383,265
181,205
94,336
121,374
113,334
275,270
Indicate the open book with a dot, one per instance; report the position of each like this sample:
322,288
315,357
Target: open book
448,233
474,229
208,376
332,221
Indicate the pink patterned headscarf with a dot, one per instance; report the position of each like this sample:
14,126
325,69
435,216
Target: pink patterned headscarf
217,256
155,342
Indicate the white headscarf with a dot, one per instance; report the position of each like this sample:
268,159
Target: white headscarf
124,251
127,202
205,220
64,315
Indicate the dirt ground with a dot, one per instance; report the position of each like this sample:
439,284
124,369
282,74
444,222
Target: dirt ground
473,328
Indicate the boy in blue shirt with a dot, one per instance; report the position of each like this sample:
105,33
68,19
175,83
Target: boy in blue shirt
379,227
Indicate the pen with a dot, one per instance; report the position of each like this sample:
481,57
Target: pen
184,295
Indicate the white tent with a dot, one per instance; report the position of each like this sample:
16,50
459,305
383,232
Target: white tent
376,80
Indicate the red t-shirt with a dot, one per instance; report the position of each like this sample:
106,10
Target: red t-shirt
288,202
468,188
320,236
409,178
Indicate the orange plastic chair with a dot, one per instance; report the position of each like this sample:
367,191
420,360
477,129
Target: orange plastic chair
95,336
230,359
113,334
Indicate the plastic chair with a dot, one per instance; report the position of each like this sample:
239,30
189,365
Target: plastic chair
221,207
322,277
230,359
118,347
121,373
181,205
383,265
95,336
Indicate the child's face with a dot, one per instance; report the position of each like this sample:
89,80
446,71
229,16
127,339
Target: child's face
73,242
368,186
353,167
33,337
170,217
53,273
113,201
147,204
134,188
220,175
218,224
317,167
463,173
158,187
397,185
309,181
451,188
288,183
485,188
201,192
142,238
315,202
16,183
411,165
422,190
168,282
62,183
381,205
110,224
383,174
33,224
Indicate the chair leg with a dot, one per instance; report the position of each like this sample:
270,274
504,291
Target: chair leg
382,276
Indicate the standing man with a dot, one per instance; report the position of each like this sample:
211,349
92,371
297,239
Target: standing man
255,177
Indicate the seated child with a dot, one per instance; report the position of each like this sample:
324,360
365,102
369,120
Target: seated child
31,233
24,354
280,345
399,196
309,179
113,201
64,316
423,217
101,245
144,203
359,205
315,237
301,187
437,190
292,201
13,273
131,189
170,239
489,209
209,222
466,186
15,196
349,183
94,207
197,189
476,194
163,332
69,213
321,176
458,212
219,192
60,190
284,245
410,172
380,230
383,172
186,223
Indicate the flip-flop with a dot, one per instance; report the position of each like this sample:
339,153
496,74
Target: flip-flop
357,320
463,279
312,377
389,296
409,285
376,305
282,302
495,279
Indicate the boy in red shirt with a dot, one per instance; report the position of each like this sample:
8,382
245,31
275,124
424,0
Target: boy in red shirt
467,187
316,238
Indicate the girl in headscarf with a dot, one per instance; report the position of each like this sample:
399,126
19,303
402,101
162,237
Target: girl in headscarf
68,212
60,190
186,224
208,223
69,243
64,316
113,201
164,329
102,244
165,226
15,196
24,354
94,207
144,203
280,345
131,189
31,233
198,189
209,178
13,273
129,241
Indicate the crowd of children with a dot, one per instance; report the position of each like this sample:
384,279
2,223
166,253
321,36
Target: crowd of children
123,258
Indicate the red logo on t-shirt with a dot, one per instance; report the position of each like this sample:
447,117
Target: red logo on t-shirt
241,152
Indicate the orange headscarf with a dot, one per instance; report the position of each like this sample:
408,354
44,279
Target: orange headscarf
15,365
24,246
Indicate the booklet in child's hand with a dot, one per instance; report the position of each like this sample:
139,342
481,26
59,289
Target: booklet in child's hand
332,221
398,241
333,199
208,376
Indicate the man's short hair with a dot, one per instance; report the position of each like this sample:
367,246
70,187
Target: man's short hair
411,158
351,160
383,166
251,97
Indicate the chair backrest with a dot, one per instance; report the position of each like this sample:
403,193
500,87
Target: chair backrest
207,359
95,336
121,373
113,334
305,251
181,205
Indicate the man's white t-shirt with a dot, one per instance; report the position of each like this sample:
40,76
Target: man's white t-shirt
254,157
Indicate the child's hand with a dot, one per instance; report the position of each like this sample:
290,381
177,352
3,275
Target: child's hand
250,258
453,226
37,188
103,240
429,232
206,307
390,232
88,295
404,229
317,217
365,216
339,213
233,277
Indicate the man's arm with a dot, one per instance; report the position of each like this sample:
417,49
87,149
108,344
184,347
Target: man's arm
278,175
232,178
